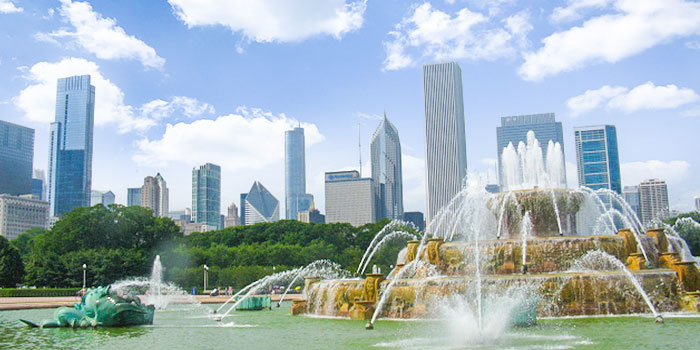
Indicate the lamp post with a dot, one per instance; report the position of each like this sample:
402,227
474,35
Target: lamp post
206,276
84,267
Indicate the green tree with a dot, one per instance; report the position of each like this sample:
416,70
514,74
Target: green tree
690,233
11,266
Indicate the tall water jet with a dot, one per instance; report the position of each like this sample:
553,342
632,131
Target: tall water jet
526,229
526,168
375,248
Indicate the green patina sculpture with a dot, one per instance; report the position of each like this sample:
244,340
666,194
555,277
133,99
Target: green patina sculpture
100,307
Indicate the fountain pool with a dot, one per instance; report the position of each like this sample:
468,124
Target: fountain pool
180,327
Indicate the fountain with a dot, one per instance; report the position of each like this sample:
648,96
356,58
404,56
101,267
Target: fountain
508,258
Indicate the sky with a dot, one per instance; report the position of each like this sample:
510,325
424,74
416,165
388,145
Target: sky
180,83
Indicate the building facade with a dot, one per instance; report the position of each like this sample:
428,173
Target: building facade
385,150
597,159
296,198
20,213
631,196
70,142
514,130
697,203
16,158
653,198
105,198
416,218
261,205
133,196
445,141
242,215
155,195
312,216
349,198
206,194
232,216
39,184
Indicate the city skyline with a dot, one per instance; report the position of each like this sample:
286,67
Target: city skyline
150,83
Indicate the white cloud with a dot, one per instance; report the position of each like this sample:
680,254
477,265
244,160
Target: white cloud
38,100
693,45
673,172
635,26
6,6
692,112
573,9
413,171
645,96
249,139
430,34
274,20
102,36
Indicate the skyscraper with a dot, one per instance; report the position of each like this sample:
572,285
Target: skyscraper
445,142
242,216
154,195
514,130
232,216
631,196
597,159
39,184
697,203
133,196
387,179
296,198
653,199
20,213
206,195
261,205
349,198
101,197
16,158
70,156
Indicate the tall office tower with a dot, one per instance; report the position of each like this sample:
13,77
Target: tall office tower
597,158
70,156
20,213
16,158
154,195
206,195
38,184
133,196
232,216
296,198
387,179
261,205
349,198
514,130
653,198
697,203
242,216
631,196
416,218
445,142
101,197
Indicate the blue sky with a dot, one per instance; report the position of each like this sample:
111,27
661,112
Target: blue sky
184,82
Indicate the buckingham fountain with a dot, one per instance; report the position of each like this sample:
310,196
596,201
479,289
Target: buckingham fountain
537,249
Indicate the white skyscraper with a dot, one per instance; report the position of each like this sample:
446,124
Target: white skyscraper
349,198
154,195
653,198
445,142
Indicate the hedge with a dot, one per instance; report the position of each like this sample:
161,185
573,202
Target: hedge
38,292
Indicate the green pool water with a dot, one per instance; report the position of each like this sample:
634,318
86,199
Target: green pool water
189,328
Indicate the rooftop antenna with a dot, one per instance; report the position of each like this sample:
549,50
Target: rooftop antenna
359,145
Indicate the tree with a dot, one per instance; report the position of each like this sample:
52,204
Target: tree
689,232
11,266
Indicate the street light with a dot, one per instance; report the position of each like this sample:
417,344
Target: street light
206,276
84,267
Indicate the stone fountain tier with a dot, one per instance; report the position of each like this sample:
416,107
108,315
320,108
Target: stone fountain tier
559,294
541,205
544,254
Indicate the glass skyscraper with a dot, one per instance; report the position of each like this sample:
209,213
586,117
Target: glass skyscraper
206,195
70,157
514,130
16,157
597,158
261,205
133,196
296,198
445,141
387,179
